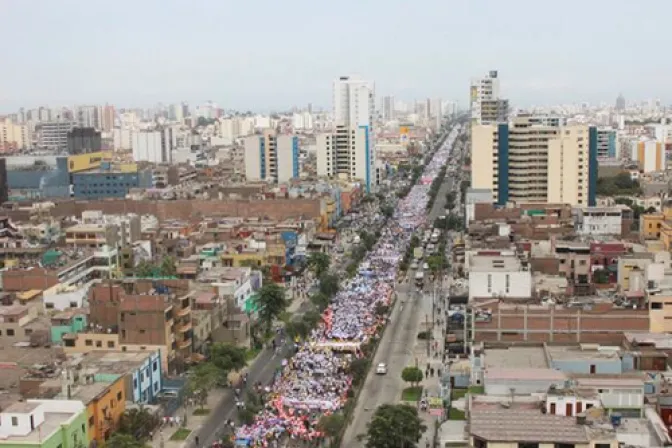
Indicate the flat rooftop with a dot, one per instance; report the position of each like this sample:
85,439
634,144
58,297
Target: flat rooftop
556,353
111,362
515,357
494,263
88,392
52,422
524,374
519,425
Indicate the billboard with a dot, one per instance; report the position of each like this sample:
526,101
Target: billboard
84,162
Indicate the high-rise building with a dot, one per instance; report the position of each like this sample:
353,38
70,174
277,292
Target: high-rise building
53,135
486,105
387,108
524,162
109,117
607,145
89,117
4,188
84,141
650,155
153,146
272,157
349,150
14,136
620,103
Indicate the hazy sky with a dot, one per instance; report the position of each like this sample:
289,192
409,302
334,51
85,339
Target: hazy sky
273,54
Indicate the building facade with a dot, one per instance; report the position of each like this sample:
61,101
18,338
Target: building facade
272,157
84,141
53,135
349,150
153,146
486,105
607,144
529,163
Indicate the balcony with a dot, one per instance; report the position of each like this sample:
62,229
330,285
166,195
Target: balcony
184,311
183,328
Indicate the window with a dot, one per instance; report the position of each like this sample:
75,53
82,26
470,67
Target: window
10,332
602,445
15,421
155,366
135,383
656,306
119,396
528,445
564,445
88,342
28,331
92,422
83,428
99,343
110,344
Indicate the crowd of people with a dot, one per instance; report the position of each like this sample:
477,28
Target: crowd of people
315,381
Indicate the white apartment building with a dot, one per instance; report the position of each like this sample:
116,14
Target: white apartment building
153,146
272,157
387,108
349,150
486,105
302,121
89,117
498,276
122,138
53,135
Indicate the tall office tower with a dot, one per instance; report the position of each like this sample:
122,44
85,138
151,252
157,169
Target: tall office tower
620,103
153,146
349,150
109,118
88,117
83,141
53,135
387,108
272,157
486,105
524,162
185,110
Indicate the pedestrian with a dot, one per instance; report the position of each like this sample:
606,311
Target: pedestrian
197,440
431,371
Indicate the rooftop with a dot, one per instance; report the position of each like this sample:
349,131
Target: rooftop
52,421
519,425
524,374
515,357
111,362
89,392
560,353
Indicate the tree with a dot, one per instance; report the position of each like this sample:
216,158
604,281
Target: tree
319,262
311,318
138,422
203,379
331,425
387,211
122,440
297,329
601,276
394,425
320,300
227,358
144,269
436,263
412,375
271,301
357,369
167,267
329,285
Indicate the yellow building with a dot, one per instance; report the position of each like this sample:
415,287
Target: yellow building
14,136
660,313
534,161
105,403
273,254
657,226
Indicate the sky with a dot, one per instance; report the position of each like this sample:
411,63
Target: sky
266,55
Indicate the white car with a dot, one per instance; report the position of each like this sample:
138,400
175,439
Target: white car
381,369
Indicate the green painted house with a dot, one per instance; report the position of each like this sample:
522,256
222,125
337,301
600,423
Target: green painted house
44,424
69,321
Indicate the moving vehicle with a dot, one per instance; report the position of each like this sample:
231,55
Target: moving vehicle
419,278
381,368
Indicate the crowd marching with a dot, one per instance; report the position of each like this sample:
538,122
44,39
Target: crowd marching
315,381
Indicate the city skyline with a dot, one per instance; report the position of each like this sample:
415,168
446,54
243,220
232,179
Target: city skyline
431,50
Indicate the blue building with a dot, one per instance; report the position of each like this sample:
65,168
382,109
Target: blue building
108,184
36,177
606,144
272,157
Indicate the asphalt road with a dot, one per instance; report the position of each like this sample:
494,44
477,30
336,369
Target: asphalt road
396,345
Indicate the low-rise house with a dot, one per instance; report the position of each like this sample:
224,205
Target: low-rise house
70,321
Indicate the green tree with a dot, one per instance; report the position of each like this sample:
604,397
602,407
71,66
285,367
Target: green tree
311,318
144,269
167,267
331,425
271,302
297,329
412,375
123,440
319,262
227,358
320,300
329,285
601,276
203,379
394,425
358,369
436,263
387,211
138,422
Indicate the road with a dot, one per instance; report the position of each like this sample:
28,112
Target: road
396,345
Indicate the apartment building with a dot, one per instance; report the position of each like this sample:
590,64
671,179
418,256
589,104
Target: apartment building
53,135
153,146
525,162
14,136
607,143
649,155
349,150
271,157
500,275
486,105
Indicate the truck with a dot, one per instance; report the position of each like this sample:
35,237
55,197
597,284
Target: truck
417,253
419,278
